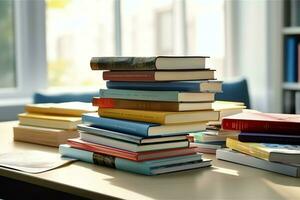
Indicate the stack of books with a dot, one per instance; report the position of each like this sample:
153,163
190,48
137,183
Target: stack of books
50,124
145,115
267,141
214,137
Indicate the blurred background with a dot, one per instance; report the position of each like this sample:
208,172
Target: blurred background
47,45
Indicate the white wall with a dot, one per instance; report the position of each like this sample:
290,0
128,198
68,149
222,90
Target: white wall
256,41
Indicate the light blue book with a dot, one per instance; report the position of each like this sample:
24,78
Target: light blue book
243,159
147,95
183,86
152,167
128,137
143,129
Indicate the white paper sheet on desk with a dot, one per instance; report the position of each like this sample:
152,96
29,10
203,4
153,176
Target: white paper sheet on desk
32,161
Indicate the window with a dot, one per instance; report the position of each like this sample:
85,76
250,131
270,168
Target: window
78,30
7,55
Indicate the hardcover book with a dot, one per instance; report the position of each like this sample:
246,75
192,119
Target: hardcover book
271,152
66,108
173,96
243,159
43,136
135,156
158,75
148,63
152,167
142,129
269,138
132,146
150,105
160,117
263,123
129,137
182,86
49,121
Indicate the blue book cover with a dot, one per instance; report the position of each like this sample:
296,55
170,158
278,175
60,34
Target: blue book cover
147,95
291,59
145,167
124,126
183,86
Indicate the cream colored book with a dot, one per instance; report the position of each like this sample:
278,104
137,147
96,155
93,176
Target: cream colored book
43,136
66,108
49,121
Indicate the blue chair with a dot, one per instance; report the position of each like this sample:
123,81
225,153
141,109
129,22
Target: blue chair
50,97
235,91
232,91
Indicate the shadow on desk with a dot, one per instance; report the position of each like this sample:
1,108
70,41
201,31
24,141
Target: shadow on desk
209,181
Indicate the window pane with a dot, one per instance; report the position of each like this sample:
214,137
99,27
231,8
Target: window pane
76,31
7,55
147,27
205,31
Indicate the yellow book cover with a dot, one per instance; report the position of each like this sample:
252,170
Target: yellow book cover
66,108
253,149
49,121
159,117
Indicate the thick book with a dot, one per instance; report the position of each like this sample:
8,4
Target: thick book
43,136
49,121
152,167
243,159
159,75
129,137
271,152
160,117
132,146
135,156
291,59
172,96
141,128
263,123
66,108
148,63
269,138
183,86
150,105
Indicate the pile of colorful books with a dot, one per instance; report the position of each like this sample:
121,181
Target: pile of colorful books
145,115
50,124
214,137
267,141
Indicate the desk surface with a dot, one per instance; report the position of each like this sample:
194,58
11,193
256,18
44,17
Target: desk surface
222,181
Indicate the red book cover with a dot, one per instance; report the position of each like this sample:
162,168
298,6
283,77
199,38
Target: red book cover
141,156
263,123
103,102
129,76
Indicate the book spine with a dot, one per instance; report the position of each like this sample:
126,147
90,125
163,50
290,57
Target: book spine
140,95
132,115
160,86
117,125
123,63
136,105
291,59
129,76
247,149
261,126
268,139
106,151
104,160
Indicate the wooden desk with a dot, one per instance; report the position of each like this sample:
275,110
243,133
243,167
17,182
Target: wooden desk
222,181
